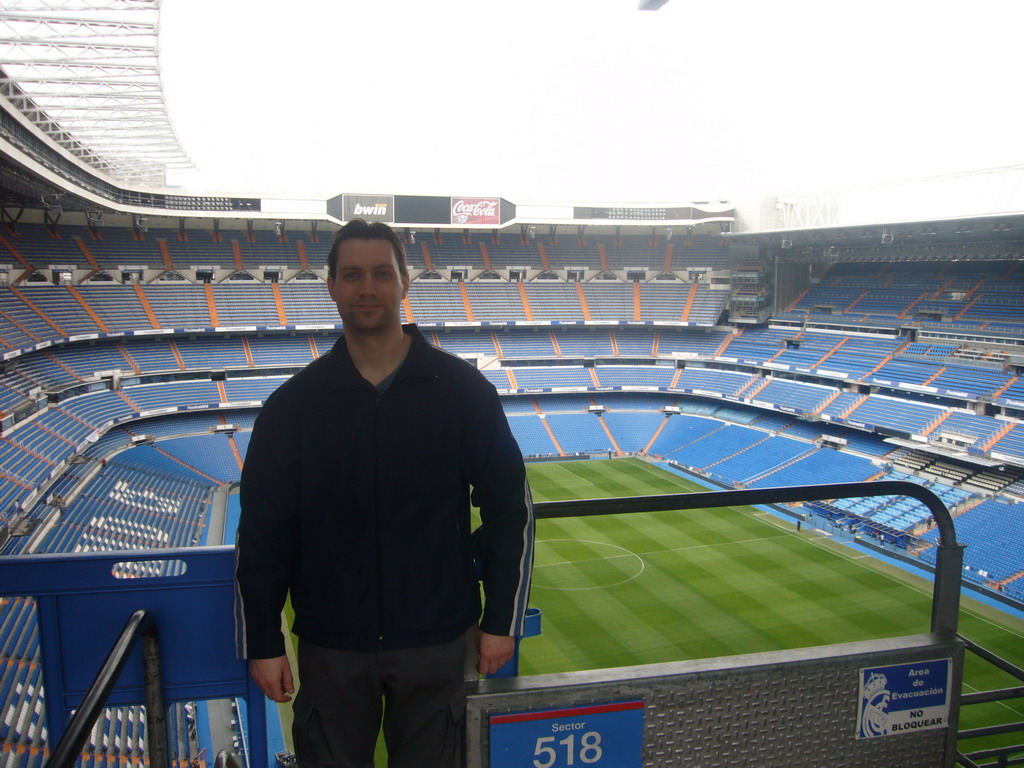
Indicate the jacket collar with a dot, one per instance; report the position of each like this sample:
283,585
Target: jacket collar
339,372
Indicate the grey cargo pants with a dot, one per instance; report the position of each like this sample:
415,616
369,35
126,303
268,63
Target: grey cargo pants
417,694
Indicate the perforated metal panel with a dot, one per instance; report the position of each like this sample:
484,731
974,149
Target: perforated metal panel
791,708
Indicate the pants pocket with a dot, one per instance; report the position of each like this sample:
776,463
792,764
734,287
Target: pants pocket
455,738
307,733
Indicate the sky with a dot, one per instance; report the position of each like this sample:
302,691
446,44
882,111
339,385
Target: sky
587,100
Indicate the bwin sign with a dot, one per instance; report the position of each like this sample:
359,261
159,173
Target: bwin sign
376,209
369,207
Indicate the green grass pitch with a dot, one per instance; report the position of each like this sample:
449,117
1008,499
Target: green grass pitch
669,586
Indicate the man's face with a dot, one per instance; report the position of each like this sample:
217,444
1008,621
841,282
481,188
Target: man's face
367,287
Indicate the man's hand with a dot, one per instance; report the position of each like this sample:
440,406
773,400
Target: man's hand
274,677
494,652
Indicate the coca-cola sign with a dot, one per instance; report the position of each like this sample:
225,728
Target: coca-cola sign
475,210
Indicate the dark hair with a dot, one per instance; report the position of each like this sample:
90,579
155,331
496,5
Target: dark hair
360,229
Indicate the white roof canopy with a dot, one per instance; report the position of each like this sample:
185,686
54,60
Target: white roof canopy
86,73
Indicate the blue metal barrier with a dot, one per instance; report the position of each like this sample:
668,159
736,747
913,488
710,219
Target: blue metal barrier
82,607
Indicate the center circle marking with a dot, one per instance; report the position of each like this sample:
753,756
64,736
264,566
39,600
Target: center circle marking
618,577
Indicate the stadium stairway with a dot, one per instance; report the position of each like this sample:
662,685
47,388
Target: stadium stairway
785,465
745,448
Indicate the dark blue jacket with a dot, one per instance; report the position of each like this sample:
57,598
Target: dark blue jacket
359,506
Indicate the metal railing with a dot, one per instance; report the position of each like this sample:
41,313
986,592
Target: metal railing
944,616
1002,757
946,589
949,560
69,748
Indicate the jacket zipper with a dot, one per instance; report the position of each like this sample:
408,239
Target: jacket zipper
377,517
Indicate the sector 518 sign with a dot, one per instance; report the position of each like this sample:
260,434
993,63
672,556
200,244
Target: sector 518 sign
602,735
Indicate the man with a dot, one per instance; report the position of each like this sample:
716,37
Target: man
356,500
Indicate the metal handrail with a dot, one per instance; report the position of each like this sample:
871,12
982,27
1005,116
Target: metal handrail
226,759
945,605
1003,755
949,560
68,749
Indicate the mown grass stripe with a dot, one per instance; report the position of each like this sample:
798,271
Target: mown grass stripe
724,581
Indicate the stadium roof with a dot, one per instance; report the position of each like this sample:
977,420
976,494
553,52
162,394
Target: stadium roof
86,73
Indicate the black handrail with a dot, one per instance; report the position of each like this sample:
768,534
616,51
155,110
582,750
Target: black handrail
227,759
66,753
1003,755
949,562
